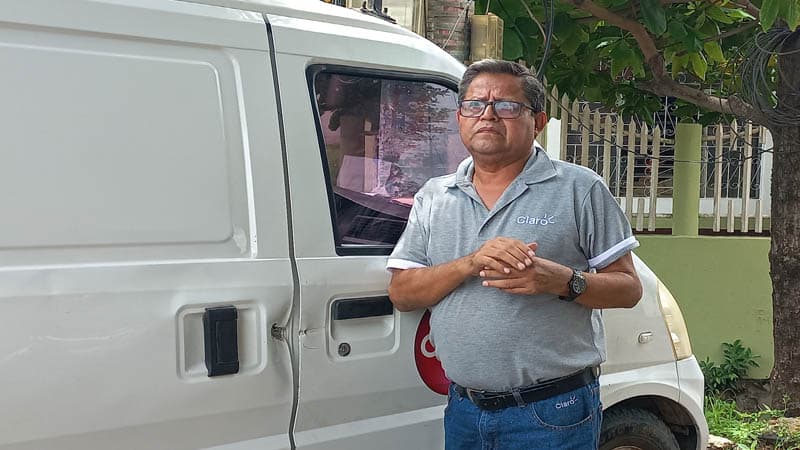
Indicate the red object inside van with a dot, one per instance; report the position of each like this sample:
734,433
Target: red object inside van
428,365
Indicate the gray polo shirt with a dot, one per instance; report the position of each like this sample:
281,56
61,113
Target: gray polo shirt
489,339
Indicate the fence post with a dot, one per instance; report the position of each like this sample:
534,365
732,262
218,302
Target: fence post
686,190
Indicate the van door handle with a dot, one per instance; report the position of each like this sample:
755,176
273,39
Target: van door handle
220,334
356,308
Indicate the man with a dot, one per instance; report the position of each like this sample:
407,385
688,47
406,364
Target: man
501,252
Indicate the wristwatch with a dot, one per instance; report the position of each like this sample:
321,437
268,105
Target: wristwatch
577,286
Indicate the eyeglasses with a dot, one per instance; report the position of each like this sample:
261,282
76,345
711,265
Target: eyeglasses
503,109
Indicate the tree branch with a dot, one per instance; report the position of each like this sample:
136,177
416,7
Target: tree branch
720,36
732,32
662,83
733,105
643,38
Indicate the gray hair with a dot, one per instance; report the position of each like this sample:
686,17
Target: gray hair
533,89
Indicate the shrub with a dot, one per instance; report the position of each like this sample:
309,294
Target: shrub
724,379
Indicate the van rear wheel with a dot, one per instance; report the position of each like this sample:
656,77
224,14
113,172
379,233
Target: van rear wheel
635,429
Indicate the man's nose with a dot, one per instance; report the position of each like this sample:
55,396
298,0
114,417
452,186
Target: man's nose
489,115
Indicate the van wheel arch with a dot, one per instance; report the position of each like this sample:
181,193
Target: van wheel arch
674,416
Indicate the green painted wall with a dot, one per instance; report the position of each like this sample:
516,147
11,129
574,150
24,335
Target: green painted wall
723,287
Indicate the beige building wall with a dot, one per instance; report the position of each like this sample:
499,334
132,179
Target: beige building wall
405,12
402,11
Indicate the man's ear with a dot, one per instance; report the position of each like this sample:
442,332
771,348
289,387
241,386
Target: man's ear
541,121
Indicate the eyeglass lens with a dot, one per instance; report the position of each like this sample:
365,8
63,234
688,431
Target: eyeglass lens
503,109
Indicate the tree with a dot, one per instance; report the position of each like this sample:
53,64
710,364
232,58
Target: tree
716,57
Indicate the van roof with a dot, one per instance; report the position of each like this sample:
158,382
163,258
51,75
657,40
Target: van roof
314,10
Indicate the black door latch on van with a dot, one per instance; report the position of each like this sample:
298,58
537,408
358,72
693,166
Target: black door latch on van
221,340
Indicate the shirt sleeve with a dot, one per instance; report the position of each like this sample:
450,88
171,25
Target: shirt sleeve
606,234
411,251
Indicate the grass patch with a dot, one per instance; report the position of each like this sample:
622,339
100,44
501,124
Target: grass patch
745,428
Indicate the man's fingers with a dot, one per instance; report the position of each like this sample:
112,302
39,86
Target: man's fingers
495,265
490,273
508,253
520,252
499,259
514,258
514,254
504,283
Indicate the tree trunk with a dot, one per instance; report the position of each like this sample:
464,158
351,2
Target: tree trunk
785,249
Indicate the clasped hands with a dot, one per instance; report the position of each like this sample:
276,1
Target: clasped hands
512,266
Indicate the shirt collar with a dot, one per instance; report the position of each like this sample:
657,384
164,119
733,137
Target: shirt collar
538,168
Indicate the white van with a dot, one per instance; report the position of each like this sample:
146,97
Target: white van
198,199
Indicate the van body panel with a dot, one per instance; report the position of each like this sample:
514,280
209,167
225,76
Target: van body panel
130,132
679,381
657,380
638,337
187,22
267,443
375,432
692,396
115,361
333,43
312,10
111,168
174,206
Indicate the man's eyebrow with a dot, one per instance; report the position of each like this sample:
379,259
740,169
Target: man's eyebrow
496,99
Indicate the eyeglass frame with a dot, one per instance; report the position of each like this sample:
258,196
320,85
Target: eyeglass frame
486,104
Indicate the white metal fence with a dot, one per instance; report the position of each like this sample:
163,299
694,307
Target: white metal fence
636,161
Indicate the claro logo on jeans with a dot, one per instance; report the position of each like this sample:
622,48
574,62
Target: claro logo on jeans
544,220
566,403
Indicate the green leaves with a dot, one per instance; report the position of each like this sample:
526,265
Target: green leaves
769,12
512,45
654,17
793,14
738,360
677,30
699,64
623,57
679,64
714,51
599,61
716,13
569,34
739,14
788,10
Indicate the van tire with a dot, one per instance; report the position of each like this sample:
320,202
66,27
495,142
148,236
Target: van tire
635,429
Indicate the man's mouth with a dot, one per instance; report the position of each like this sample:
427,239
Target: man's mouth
488,130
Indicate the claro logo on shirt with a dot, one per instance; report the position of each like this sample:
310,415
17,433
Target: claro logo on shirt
544,220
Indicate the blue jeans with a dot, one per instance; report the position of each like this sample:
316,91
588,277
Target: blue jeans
569,421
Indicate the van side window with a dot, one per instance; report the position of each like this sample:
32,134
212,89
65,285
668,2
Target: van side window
383,139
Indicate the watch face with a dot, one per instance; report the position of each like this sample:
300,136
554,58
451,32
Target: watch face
578,284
